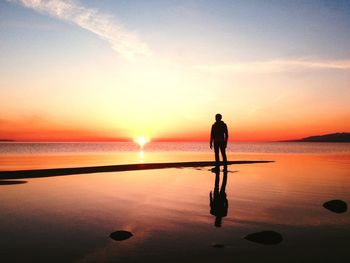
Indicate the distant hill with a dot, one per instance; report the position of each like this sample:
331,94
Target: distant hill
6,140
333,137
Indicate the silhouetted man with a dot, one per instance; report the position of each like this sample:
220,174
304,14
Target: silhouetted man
219,136
218,199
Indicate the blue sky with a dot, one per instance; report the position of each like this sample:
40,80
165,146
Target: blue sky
247,30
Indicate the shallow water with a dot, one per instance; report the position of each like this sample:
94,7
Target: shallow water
70,218
21,156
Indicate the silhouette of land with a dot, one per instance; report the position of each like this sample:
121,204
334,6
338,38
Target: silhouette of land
20,174
332,137
6,140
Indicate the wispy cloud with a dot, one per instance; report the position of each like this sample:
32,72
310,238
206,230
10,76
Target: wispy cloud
128,45
272,66
106,27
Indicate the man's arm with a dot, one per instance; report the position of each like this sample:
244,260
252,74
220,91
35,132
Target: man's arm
211,137
226,134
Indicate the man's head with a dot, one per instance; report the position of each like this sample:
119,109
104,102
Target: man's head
218,117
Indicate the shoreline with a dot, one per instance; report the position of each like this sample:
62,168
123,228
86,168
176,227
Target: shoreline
42,173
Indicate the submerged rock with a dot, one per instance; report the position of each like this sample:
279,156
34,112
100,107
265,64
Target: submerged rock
336,206
218,245
265,237
120,235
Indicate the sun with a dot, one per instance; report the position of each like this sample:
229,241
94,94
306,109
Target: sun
141,141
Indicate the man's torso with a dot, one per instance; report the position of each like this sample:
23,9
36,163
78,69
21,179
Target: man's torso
219,130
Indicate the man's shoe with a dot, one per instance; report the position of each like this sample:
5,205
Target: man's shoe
215,169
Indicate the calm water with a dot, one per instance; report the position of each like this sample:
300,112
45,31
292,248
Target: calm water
112,147
70,218
15,156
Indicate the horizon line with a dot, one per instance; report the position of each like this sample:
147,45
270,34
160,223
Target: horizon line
109,141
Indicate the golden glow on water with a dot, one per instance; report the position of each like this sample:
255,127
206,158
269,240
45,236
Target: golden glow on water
161,207
291,180
23,162
142,156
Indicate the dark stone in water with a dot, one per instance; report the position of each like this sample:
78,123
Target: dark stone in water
336,206
218,245
120,235
265,237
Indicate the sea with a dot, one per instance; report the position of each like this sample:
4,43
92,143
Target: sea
29,155
187,214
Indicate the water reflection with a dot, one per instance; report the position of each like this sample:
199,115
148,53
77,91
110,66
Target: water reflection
141,155
218,199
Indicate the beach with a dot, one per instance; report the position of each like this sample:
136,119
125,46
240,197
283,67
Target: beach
70,218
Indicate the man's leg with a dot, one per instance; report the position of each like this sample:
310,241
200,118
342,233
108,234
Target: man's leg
216,150
223,152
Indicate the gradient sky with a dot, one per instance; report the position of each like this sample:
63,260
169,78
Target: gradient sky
107,70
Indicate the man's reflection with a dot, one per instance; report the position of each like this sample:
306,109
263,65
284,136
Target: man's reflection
218,200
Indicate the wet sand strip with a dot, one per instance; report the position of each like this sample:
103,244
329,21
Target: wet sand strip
38,173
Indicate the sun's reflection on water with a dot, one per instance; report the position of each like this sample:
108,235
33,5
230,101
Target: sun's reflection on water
141,156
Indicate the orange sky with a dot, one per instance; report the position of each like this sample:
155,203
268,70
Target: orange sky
268,130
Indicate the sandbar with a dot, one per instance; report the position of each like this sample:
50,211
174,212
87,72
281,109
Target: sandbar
39,173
